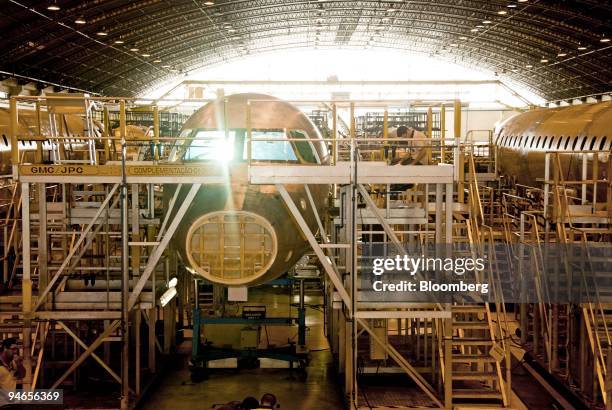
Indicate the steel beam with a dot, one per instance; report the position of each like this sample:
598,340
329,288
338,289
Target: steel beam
159,249
86,353
299,219
95,356
26,284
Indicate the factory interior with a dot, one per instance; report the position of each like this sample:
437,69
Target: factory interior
305,204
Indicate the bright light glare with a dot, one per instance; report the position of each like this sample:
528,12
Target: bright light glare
173,282
212,145
350,65
224,151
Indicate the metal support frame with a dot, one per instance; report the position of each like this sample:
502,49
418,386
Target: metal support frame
125,271
82,237
411,371
87,352
159,249
93,354
299,219
40,229
381,219
26,285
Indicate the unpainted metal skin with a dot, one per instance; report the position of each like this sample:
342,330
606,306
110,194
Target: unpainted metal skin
72,126
240,197
524,139
28,127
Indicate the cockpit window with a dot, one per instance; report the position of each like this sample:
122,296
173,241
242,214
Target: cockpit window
209,145
267,149
305,149
266,145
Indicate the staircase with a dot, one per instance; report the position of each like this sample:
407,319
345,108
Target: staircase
480,356
477,374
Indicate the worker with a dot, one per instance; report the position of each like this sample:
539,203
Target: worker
415,151
11,365
399,132
267,401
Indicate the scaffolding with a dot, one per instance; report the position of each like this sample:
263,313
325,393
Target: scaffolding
87,249
570,340
443,348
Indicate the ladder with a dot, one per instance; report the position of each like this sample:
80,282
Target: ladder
58,106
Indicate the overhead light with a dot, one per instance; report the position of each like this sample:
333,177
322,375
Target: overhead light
604,40
102,33
167,296
173,282
391,10
463,38
544,60
581,47
146,55
528,66
231,30
474,30
133,49
53,6
165,66
515,70
119,41
157,61
522,1
561,54
454,45
80,20
479,26
487,22
209,3
511,5
502,12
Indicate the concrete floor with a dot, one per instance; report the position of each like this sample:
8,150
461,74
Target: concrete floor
318,391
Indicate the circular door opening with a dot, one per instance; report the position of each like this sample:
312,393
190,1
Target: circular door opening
231,247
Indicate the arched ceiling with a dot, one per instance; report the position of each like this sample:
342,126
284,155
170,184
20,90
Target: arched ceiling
557,49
